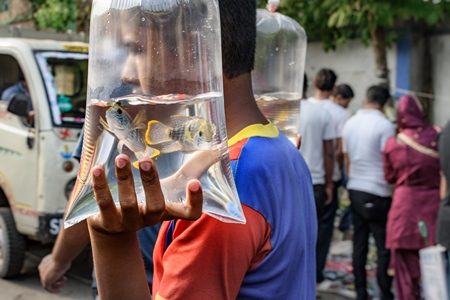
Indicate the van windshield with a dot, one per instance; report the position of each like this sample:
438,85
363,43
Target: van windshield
65,79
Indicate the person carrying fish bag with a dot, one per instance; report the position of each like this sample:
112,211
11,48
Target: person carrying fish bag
270,257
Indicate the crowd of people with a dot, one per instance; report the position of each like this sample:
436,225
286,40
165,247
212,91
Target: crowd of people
289,199
392,174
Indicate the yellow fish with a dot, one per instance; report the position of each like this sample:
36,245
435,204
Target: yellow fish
186,133
128,131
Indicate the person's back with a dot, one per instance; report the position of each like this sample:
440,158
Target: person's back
411,161
288,268
263,259
365,136
315,127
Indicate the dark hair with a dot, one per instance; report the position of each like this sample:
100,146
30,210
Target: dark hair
325,80
344,90
238,26
305,85
378,95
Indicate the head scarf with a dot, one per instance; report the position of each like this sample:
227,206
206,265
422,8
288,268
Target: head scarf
411,122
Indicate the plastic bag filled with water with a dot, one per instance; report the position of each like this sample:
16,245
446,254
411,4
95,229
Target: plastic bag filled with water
155,90
279,70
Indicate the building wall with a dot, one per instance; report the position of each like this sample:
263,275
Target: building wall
16,8
440,66
353,63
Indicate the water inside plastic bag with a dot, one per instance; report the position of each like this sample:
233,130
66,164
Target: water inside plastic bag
279,70
155,90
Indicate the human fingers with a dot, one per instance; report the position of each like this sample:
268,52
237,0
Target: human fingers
58,285
191,209
108,218
47,273
154,197
127,193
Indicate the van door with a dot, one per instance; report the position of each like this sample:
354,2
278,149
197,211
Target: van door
18,146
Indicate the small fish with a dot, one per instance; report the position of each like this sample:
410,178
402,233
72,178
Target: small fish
186,133
127,130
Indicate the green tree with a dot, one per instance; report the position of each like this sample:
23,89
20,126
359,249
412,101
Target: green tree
62,15
375,22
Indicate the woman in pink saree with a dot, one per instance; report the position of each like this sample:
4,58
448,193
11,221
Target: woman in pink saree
411,162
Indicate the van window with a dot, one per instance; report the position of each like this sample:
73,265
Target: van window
12,79
65,79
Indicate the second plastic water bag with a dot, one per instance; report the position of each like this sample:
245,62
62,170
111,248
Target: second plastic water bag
155,90
279,69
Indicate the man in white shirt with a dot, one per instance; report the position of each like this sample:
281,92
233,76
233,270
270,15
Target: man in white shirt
317,149
324,87
364,138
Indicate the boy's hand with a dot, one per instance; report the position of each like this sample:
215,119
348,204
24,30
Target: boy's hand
52,274
130,216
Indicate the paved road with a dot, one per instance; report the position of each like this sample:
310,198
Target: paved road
28,287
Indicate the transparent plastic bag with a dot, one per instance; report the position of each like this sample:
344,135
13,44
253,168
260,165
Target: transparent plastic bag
279,69
155,90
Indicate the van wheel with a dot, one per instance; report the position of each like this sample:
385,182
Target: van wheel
12,245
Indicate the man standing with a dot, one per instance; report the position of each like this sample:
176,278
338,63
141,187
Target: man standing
318,136
364,138
324,87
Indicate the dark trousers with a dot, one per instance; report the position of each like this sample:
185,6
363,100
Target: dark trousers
346,221
320,196
370,216
325,233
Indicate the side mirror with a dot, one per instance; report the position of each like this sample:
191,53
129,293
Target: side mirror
19,105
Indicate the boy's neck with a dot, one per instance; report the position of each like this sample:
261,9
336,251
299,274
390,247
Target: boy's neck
241,109
373,106
322,95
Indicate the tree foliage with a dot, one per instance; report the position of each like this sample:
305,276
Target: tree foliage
61,14
335,21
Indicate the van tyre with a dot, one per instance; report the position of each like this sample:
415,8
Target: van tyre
12,245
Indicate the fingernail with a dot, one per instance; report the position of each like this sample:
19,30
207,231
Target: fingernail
146,165
96,172
121,163
194,186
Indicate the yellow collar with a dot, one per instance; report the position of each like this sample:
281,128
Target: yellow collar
268,130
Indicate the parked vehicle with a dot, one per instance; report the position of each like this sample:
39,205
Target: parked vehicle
39,130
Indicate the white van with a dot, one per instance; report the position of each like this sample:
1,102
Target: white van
37,171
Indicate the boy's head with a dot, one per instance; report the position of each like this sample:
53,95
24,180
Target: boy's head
175,51
343,94
325,80
176,56
377,95
238,29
